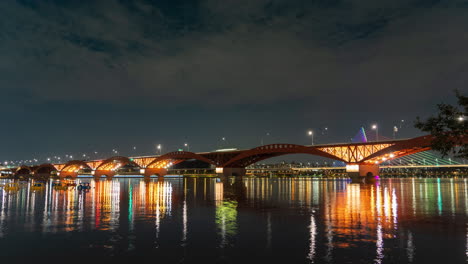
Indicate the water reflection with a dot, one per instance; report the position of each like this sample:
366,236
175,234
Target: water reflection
227,194
313,232
410,247
316,221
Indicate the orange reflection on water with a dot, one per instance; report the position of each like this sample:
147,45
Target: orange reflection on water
359,210
105,199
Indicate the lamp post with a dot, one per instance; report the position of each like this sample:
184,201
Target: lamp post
376,128
223,139
261,140
395,130
324,130
159,148
311,134
187,146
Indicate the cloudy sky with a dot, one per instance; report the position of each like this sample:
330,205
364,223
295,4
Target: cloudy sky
79,76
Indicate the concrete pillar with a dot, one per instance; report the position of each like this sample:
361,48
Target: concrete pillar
226,172
107,173
21,176
147,173
362,173
69,174
41,176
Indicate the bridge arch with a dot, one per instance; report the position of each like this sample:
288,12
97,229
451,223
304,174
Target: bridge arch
75,165
113,163
71,168
257,154
176,157
109,166
159,166
401,149
23,170
45,170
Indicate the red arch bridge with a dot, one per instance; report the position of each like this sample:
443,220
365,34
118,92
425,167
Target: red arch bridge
362,159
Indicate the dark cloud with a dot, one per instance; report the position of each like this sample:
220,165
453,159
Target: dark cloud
341,58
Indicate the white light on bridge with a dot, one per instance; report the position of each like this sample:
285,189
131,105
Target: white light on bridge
228,149
352,168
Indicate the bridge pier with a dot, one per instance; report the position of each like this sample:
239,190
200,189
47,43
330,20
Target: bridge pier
362,173
103,173
67,174
226,172
21,176
148,172
41,176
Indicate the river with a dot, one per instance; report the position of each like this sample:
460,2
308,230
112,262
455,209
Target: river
205,220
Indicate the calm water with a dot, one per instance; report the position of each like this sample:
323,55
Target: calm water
251,220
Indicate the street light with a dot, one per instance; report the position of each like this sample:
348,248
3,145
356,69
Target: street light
187,146
461,118
395,130
261,140
159,148
224,143
376,128
311,133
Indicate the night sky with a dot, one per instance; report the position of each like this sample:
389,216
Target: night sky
82,76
